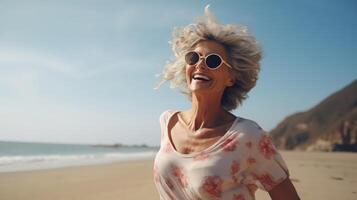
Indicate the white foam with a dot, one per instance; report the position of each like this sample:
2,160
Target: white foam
25,163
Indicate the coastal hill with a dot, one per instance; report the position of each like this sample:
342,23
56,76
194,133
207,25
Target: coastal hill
331,125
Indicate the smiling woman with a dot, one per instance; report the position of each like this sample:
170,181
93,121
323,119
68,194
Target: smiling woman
243,54
206,151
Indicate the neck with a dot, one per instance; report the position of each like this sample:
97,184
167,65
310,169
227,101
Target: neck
206,112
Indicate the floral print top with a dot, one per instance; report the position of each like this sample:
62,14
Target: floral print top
241,161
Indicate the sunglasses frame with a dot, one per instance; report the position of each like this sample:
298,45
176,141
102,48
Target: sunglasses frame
205,60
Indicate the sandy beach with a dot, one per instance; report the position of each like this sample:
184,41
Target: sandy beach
315,176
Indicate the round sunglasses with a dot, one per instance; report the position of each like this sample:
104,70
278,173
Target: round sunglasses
213,61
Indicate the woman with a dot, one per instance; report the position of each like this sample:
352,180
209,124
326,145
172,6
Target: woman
207,152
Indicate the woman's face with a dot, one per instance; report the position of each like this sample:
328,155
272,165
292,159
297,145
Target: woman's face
218,79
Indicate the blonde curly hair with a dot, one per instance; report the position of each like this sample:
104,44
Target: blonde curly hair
243,50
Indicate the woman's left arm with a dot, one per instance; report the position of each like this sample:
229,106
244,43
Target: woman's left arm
283,191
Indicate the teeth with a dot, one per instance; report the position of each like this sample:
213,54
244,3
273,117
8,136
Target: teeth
199,76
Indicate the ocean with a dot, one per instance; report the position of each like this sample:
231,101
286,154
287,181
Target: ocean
24,156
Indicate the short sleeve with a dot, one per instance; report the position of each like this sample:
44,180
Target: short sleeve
163,121
269,168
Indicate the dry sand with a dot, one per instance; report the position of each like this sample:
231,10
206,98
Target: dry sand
315,176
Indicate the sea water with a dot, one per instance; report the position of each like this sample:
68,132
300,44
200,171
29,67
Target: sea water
23,156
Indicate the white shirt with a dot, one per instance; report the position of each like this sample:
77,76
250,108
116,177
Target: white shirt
241,161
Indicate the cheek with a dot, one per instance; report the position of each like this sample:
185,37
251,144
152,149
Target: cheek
225,75
221,79
188,71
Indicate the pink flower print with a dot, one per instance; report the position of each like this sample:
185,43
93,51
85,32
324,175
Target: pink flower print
201,156
249,144
251,161
167,147
179,174
156,173
213,185
229,144
266,146
235,167
266,180
238,197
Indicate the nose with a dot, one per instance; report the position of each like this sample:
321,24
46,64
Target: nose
201,64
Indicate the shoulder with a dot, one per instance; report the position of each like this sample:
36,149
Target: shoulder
165,115
249,129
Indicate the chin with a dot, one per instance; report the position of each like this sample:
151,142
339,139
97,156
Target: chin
200,86
199,89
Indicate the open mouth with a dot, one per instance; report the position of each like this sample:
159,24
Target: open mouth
201,77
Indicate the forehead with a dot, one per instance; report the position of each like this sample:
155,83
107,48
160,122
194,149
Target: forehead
209,46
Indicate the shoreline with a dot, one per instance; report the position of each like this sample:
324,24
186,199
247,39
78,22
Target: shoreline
42,162
71,165
315,175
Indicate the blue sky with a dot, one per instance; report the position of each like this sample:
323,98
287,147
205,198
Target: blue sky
84,71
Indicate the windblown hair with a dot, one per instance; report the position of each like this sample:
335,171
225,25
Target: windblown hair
243,50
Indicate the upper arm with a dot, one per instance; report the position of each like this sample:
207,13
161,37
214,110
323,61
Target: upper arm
269,169
284,190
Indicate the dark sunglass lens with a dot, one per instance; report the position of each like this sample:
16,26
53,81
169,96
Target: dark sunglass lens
213,61
192,58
